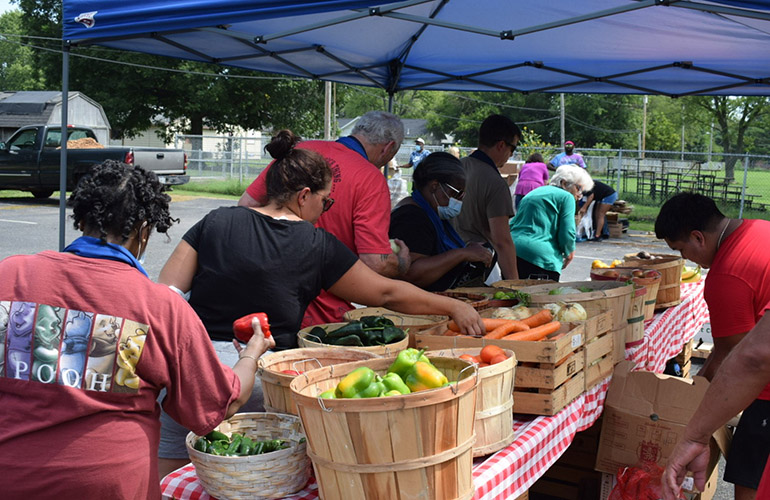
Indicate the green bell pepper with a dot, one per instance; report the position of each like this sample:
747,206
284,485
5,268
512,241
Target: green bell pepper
330,394
394,383
355,382
375,389
405,360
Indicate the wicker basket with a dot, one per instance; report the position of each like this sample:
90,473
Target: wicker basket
275,385
651,282
270,475
305,339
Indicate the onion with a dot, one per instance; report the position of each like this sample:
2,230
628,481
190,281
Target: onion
554,308
517,312
569,313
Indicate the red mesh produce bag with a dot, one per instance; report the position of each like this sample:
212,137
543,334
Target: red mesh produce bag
641,482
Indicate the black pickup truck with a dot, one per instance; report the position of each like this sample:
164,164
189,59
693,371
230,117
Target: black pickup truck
30,159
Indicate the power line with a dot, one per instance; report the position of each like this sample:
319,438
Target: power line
158,68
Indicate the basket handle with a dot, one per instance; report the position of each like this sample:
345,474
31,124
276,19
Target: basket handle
308,334
399,318
321,403
457,383
294,365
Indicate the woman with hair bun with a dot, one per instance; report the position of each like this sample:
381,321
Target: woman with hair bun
240,260
440,258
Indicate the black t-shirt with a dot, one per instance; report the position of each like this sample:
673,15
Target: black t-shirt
411,224
600,191
249,262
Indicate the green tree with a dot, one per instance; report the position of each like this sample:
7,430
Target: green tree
355,101
136,96
733,116
17,67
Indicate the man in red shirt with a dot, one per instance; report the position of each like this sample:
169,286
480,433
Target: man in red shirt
360,217
737,292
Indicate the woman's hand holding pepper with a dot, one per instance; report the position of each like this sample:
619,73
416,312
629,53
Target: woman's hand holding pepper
467,318
257,344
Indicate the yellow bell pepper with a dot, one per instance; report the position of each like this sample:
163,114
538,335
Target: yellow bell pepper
423,376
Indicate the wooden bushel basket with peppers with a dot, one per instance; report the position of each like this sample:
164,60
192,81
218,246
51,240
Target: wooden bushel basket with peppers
365,332
410,372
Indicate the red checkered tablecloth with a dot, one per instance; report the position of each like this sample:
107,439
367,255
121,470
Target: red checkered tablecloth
667,332
540,441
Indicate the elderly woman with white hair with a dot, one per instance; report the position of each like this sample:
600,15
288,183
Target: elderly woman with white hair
544,226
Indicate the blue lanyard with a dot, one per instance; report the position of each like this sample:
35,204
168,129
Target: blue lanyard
351,142
86,246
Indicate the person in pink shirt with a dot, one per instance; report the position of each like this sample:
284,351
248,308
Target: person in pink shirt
533,174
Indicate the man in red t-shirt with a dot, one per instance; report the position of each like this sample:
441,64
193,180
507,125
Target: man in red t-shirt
360,217
737,291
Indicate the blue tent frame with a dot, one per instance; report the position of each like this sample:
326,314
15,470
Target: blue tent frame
666,47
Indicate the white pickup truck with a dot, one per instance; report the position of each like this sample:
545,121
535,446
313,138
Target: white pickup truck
30,159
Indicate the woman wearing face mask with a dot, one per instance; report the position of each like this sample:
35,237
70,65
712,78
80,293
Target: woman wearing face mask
440,258
544,226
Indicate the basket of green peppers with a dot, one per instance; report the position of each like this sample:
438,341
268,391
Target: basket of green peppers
372,333
411,371
252,455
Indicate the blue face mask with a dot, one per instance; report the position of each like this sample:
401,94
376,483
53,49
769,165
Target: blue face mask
450,211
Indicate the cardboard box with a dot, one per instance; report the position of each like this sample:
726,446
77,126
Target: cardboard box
645,415
511,167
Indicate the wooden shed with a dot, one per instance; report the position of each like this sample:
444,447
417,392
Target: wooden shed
18,109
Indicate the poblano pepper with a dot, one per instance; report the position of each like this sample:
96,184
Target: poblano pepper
355,382
423,376
392,334
394,383
352,339
405,360
352,328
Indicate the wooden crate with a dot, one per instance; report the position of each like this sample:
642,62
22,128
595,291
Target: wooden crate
618,344
703,350
573,476
598,355
550,371
553,349
684,356
686,369
616,229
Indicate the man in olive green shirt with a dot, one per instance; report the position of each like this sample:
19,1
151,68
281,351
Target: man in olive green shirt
487,204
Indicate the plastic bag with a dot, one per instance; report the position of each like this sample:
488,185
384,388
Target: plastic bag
585,228
641,482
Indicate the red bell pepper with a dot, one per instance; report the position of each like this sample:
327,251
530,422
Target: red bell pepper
242,326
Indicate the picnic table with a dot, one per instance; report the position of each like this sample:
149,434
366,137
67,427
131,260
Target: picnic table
540,441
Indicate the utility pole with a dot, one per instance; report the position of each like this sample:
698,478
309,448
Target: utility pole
682,130
711,142
561,99
327,110
644,126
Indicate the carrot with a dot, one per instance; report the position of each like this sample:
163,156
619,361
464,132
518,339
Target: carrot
510,326
537,333
489,324
539,318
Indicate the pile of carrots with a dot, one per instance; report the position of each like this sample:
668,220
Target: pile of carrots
534,328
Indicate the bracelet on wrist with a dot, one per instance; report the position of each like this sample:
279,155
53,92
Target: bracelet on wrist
240,357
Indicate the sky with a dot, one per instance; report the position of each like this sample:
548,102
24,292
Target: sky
6,5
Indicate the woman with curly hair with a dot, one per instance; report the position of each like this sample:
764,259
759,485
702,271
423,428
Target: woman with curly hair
241,260
91,342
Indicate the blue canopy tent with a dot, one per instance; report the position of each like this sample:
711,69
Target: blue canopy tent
667,47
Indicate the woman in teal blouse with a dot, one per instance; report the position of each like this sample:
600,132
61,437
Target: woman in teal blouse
543,229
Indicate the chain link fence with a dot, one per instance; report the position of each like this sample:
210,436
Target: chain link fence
740,184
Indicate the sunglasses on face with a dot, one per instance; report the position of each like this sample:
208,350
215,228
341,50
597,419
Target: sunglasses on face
511,145
327,203
458,193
